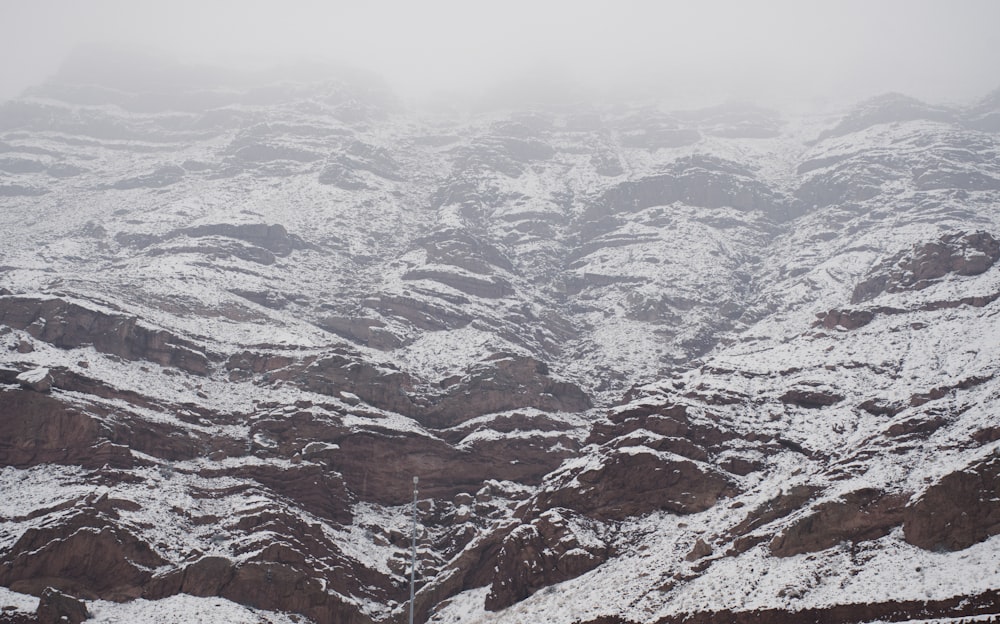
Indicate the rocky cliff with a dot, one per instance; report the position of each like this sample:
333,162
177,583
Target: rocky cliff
650,366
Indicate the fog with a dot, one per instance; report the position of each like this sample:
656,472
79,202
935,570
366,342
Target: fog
769,52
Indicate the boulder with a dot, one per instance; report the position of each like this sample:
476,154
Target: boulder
846,319
700,550
37,379
810,397
55,607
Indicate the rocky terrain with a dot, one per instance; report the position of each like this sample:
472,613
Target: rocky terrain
650,366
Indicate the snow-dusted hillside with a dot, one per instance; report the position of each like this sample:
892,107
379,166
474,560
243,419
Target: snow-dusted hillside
648,364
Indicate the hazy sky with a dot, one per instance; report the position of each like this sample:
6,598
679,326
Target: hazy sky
756,50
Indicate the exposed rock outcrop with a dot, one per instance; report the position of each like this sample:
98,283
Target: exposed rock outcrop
958,511
37,429
37,379
635,480
698,181
961,253
550,549
55,607
855,517
86,554
70,325
501,383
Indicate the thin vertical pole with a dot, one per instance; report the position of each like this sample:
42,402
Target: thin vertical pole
413,558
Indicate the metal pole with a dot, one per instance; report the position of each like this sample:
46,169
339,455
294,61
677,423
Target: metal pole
413,559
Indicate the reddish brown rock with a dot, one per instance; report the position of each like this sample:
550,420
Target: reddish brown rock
508,423
669,420
368,332
55,607
253,363
498,384
37,379
282,587
700,550
961,253
378,465
307,485
960,510
39,429
383,386
489,287
810,397
502,383
420,312
69,325
540,553
274,237
858,516
635,481
85,554
847,319
984,605
745,535
205,577
473,567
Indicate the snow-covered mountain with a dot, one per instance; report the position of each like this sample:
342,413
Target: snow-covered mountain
649,366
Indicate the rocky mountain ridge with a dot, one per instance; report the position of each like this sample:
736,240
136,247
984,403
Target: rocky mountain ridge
648,365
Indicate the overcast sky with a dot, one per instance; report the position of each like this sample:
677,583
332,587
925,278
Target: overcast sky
941,51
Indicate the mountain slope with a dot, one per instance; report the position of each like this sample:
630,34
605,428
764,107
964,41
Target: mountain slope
647,365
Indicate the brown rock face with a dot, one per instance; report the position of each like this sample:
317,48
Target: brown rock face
744,535
950,609
274,238
369,332
307,485
960,253
283,587
670,420
458,248
696,180
271,584
38,380
377,464
958,511
487,287
540,553
85,554
38,429
55,607
420,313
503,383
336,372
810,397
247,363
858,516
847,319
69,325
700,550
636,480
